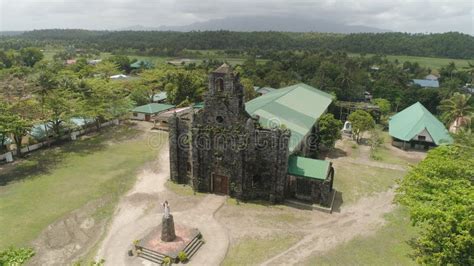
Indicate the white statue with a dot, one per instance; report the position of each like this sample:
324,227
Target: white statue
166,209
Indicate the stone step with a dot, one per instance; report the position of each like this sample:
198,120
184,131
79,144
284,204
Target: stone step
151,258
191,245
195,249
153,253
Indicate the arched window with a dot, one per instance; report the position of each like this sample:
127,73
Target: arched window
219,84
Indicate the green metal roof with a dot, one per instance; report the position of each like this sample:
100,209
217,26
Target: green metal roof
199,105
152,108
306,167
298,107
141,63
414,119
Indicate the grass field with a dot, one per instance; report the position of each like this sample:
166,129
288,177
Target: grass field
387,246
53,182
431,62
252,251
357,180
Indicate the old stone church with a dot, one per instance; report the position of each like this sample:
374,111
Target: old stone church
223,149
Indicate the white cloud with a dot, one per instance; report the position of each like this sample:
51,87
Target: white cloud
399,15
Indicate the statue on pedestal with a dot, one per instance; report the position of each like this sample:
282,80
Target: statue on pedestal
167,224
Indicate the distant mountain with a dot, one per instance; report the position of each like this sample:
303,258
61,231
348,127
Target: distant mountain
266,23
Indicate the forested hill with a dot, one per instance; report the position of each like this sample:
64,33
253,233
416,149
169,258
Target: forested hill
450,45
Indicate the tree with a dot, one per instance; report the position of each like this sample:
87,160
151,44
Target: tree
30,56
20,109
121,61
457,109
361,121
106,69
105,101
61,105
383,104
329,130
249,91
439,195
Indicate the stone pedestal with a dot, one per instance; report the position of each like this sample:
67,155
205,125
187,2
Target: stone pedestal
167,229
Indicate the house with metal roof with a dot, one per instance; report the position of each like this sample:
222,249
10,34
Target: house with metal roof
416,127
145,112
426,83
160,97
141,64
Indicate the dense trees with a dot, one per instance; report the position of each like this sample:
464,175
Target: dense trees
452,44
439,194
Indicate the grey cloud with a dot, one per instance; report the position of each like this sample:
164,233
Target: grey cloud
401,15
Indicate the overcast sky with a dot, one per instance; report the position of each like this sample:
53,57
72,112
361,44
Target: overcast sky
395,15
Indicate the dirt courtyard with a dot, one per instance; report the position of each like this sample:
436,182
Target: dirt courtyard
224,223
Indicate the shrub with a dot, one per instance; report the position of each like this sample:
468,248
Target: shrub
166,261
15,256
182,256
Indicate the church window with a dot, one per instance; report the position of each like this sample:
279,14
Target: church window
219,84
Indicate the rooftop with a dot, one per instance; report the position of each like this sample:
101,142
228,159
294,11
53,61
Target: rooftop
406,124
306,167
427,83
297,107
224,69
152,108
160,96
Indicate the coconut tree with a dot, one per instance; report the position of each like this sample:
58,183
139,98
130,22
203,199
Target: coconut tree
457,110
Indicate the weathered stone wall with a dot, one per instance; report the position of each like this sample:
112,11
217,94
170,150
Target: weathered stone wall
179,139
226,142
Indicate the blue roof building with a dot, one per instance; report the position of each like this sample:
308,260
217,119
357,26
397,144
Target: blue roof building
426,83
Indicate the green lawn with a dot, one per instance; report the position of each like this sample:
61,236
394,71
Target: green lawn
53,182
357,180
252,251
431,62
388,246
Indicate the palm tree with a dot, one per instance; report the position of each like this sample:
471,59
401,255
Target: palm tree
457,109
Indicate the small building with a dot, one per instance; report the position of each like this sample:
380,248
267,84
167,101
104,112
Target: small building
415,127
145,112
311,180
94,62
71,61
426,83
264,90
431,77
140,64
160,97
119,76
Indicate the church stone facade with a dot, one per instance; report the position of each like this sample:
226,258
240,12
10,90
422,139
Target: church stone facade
222,149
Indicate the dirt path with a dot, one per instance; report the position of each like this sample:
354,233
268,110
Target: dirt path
362,218
130,216
138,212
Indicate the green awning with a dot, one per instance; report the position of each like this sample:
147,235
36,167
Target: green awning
309,168
410,122
297,107
152,108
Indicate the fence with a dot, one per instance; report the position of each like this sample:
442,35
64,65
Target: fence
8,156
